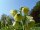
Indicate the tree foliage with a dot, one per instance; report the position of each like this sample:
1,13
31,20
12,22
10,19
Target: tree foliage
36,12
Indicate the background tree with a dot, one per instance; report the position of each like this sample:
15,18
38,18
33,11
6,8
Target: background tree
36,12
9,20
5,20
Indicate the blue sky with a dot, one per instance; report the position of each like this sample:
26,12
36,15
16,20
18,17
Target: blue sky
7,5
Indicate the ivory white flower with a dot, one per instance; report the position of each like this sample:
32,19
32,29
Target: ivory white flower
13,12
17,17
29,17
25,10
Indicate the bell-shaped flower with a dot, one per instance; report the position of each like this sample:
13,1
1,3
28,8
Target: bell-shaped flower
13,12
17,17
25,10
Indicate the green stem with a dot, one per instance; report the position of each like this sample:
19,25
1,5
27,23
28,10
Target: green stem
22,25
